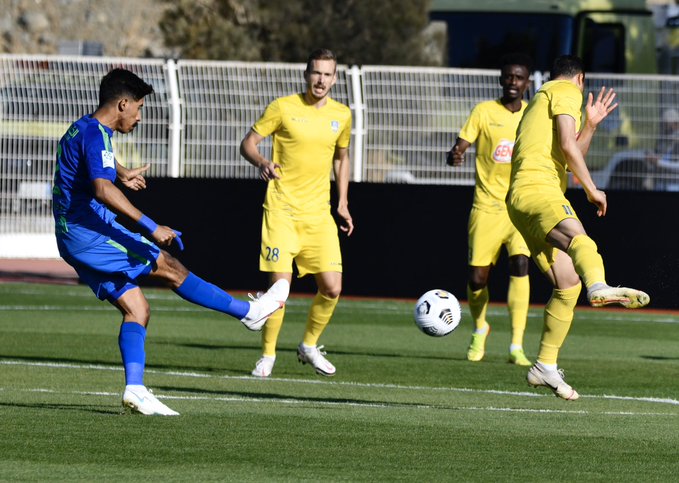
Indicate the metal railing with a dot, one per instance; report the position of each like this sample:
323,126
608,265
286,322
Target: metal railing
404,121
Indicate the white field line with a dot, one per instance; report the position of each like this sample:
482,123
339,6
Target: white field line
99,367
355,404
603,316
368,306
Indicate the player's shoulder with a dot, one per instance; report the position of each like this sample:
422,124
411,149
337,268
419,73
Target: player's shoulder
291,100
92,129
83,128
487,106
559,86
338,107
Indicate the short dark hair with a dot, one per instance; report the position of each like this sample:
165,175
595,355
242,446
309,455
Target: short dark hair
320,54
567,66
120,83
516,58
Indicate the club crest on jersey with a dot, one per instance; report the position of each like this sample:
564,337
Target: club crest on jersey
107,159
334,125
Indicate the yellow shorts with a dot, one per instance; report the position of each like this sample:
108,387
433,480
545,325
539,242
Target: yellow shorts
488,232
535,212
311,241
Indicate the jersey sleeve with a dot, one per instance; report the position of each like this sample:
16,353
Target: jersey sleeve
471,129
99,157
567,101
345,136
270,120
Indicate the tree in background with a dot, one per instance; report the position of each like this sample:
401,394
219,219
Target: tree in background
386,32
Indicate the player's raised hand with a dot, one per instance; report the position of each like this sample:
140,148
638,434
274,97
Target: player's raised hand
267,171
133,178
602,107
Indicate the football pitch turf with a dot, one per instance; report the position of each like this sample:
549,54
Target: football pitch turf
403,406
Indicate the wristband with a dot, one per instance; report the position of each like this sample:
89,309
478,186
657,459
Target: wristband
178,240
148,224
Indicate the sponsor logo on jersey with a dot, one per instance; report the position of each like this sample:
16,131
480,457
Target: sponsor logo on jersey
503,151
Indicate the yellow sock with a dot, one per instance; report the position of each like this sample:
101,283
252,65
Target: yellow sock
321,310
586,259
518,297
558,318
270,332
478,304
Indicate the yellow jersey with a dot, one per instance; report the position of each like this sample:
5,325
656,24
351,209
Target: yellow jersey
493,128
538,158
304,142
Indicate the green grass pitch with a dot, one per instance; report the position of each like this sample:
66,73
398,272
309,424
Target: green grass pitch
402,407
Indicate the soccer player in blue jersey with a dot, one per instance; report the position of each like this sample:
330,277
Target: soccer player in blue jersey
112,259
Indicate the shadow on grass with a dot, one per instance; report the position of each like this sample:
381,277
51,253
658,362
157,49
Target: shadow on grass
332,352
287,397
62,407
111,365
660,358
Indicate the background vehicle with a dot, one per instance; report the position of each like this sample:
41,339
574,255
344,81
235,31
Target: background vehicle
615,36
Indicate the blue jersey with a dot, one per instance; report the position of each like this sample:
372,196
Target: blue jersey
84,154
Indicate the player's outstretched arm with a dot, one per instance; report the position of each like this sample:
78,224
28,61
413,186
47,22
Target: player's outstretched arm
107,193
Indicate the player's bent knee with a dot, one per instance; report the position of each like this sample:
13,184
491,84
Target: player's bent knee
170,270
518,265
332,293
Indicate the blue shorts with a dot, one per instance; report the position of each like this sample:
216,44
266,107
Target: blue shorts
112,266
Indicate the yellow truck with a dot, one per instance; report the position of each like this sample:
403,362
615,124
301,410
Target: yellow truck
616,36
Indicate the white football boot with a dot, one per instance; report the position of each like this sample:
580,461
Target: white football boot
554,380
601,294
265,304
140,400
264,366
315,357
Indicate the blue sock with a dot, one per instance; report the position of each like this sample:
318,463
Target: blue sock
131,342
196,290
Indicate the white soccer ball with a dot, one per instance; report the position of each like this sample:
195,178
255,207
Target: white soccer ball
437,313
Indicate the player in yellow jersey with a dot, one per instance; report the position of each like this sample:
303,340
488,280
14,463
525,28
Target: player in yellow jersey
311,134
551,139
492,126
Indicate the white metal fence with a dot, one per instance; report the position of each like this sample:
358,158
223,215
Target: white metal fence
405,120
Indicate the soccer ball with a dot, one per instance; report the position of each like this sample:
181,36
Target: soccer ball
437,313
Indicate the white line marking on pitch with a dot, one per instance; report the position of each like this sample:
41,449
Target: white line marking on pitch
98,367
366,404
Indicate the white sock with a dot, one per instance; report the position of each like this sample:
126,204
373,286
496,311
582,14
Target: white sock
484,330
514,347
548,367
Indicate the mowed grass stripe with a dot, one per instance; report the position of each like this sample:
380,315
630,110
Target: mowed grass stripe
273,380
382,405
